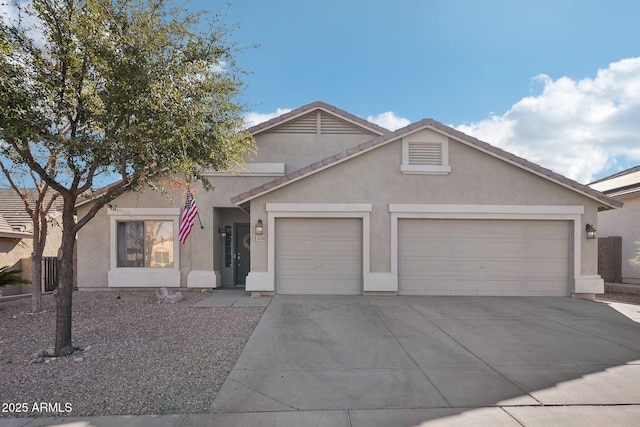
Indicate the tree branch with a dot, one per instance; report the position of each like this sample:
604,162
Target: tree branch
26,155
17,189
110,193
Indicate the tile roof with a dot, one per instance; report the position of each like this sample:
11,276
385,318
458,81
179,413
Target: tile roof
4,226
619,183
424,124
315,106
13,213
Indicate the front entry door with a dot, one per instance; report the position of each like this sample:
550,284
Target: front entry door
242,244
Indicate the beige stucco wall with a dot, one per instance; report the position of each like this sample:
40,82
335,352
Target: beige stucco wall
13,250
204,250
300,150
197,253
375,177
93,239
624,222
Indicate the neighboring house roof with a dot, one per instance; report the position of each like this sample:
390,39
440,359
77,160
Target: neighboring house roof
621,183
415,127
7,231
318,105
15,222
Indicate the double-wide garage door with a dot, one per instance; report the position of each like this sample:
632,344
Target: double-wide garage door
435,256
483,257
319,256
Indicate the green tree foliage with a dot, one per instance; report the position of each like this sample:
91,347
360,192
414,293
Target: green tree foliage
126,88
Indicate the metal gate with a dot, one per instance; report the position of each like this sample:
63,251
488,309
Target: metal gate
49,273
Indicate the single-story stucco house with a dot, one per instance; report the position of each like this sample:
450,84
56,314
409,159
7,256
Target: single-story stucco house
625,222
333,204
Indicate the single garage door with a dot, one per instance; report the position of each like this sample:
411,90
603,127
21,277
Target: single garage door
319,256
483,257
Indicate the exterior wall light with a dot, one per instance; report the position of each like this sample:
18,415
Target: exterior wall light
225,233
259,228
591,231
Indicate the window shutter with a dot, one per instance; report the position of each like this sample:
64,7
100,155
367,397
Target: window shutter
425,153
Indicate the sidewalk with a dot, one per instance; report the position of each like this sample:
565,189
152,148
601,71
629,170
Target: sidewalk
501,416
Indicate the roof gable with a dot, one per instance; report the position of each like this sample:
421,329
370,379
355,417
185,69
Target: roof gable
416,127
625,182
320,119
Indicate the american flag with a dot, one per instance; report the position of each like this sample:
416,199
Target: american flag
188,216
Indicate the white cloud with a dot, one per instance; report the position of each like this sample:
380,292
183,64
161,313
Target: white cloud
11,14
577,128
389,120
252,118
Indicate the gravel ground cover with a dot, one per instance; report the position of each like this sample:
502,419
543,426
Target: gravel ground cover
141,357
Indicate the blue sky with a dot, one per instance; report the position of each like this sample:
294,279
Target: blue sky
557,82
554,81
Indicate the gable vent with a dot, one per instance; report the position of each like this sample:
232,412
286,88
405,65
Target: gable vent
330,124
303,124
425,153
320,123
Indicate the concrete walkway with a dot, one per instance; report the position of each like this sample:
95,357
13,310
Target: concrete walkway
233,297
429,361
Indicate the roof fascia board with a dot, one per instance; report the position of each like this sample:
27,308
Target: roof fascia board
624,193
15,235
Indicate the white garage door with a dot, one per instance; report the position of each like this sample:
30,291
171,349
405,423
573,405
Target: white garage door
483,257
319,256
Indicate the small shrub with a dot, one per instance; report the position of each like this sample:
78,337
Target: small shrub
11,277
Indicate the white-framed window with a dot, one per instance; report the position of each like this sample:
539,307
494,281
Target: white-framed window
144,247
425,152
145,244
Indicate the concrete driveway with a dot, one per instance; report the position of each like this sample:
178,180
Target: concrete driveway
394,361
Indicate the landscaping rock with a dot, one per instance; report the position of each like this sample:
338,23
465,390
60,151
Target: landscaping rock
37,359
166,296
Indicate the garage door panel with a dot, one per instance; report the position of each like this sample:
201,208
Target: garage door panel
483,257
319,256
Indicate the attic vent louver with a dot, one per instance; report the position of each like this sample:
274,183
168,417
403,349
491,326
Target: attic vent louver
320,123
332,125
304,124
425,153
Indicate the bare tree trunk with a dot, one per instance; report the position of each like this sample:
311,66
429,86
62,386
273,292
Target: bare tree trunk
39,239
36,281
64,294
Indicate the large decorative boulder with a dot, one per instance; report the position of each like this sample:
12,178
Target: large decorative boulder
166,296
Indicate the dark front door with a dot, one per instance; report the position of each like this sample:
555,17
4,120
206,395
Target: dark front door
242,243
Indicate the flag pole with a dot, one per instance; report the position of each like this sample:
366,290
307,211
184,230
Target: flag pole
197,213
200,221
